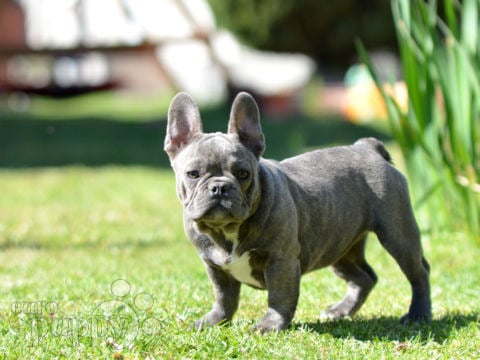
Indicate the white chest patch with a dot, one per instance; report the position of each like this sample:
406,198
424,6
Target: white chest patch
239,268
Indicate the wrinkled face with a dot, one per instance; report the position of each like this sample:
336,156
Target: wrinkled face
216,173
216,180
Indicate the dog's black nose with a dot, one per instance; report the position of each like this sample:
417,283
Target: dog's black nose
218,189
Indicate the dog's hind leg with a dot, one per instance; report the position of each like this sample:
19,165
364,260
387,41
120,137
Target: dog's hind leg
402,241
360,278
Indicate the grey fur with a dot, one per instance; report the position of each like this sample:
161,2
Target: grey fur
290,217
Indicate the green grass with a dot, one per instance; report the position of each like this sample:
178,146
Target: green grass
67,234
116,104
69,132
87,200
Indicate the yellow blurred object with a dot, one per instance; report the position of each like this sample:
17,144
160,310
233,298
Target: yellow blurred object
399,93
363,102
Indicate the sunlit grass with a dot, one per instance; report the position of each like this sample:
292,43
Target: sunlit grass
123,106
67,234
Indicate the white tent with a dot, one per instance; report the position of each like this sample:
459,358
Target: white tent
199,58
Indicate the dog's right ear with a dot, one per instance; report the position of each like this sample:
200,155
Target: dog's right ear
183,124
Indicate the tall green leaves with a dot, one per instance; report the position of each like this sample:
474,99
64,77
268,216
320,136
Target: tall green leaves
439,134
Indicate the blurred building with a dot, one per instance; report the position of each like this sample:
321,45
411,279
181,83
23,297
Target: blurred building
64,47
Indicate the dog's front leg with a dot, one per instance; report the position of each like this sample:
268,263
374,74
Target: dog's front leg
227,293
282,276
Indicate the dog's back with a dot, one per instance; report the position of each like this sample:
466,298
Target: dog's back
341,194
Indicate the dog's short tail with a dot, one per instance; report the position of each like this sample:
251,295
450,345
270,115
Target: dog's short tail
377,145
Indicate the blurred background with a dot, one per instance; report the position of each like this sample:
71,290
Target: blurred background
89,82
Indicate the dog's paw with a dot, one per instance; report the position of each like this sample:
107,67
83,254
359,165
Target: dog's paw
199,325
335,312
211,319
266,328
271,322
414,318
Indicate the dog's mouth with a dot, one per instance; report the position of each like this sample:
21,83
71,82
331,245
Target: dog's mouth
214,211
218,212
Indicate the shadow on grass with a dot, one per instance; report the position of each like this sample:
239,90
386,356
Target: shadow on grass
390,329
30,141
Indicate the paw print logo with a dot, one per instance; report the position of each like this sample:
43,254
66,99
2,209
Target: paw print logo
126,315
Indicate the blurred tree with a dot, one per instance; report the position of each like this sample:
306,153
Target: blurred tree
324,29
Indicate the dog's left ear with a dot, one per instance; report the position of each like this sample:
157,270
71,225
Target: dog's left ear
183,124
245,122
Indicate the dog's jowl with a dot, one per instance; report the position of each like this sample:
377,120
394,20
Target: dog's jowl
265,223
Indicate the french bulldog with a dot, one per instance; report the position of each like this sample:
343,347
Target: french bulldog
265,223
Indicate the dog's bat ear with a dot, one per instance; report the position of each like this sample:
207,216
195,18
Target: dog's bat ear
245,122
183,123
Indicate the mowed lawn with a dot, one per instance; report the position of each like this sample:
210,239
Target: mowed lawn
94,262
70,238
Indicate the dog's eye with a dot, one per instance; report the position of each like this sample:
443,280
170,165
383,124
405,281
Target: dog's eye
242,174
193,174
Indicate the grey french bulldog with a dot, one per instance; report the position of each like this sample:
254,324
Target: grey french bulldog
265,223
